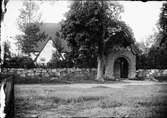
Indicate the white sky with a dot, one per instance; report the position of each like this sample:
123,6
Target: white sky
141,17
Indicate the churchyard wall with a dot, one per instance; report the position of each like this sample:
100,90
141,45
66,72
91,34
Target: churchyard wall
58,73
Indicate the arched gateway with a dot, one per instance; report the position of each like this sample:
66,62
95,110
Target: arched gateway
121,63
121,68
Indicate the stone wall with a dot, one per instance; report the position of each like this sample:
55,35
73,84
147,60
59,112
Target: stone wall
48,72
149,73
146,73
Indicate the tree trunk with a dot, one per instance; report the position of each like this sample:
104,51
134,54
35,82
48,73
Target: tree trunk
100,69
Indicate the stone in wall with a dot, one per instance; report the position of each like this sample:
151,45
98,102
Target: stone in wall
151,73
165,72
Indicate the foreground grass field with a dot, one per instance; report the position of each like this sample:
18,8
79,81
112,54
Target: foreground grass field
91,100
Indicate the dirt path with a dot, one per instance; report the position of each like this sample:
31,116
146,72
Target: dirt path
120,84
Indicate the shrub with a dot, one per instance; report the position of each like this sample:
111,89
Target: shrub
19,62
161,78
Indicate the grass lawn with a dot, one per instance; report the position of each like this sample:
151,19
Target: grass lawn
70,100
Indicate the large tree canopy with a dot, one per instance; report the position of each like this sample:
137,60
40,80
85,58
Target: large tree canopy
91,26
29,25
157,54
163,25
158,51
91,23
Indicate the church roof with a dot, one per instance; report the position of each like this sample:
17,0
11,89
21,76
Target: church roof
50,29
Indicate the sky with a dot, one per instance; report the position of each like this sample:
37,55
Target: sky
140,16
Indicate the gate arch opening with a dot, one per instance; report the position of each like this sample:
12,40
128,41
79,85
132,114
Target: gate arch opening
121,68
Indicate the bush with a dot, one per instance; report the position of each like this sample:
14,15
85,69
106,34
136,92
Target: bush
161,78
19,62
60,64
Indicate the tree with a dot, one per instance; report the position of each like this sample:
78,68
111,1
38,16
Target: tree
162,37
29,24
55,62
3,9
60,45
59,57
16,62
163,25
158,51
29,13
19,62
93,27
7,53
